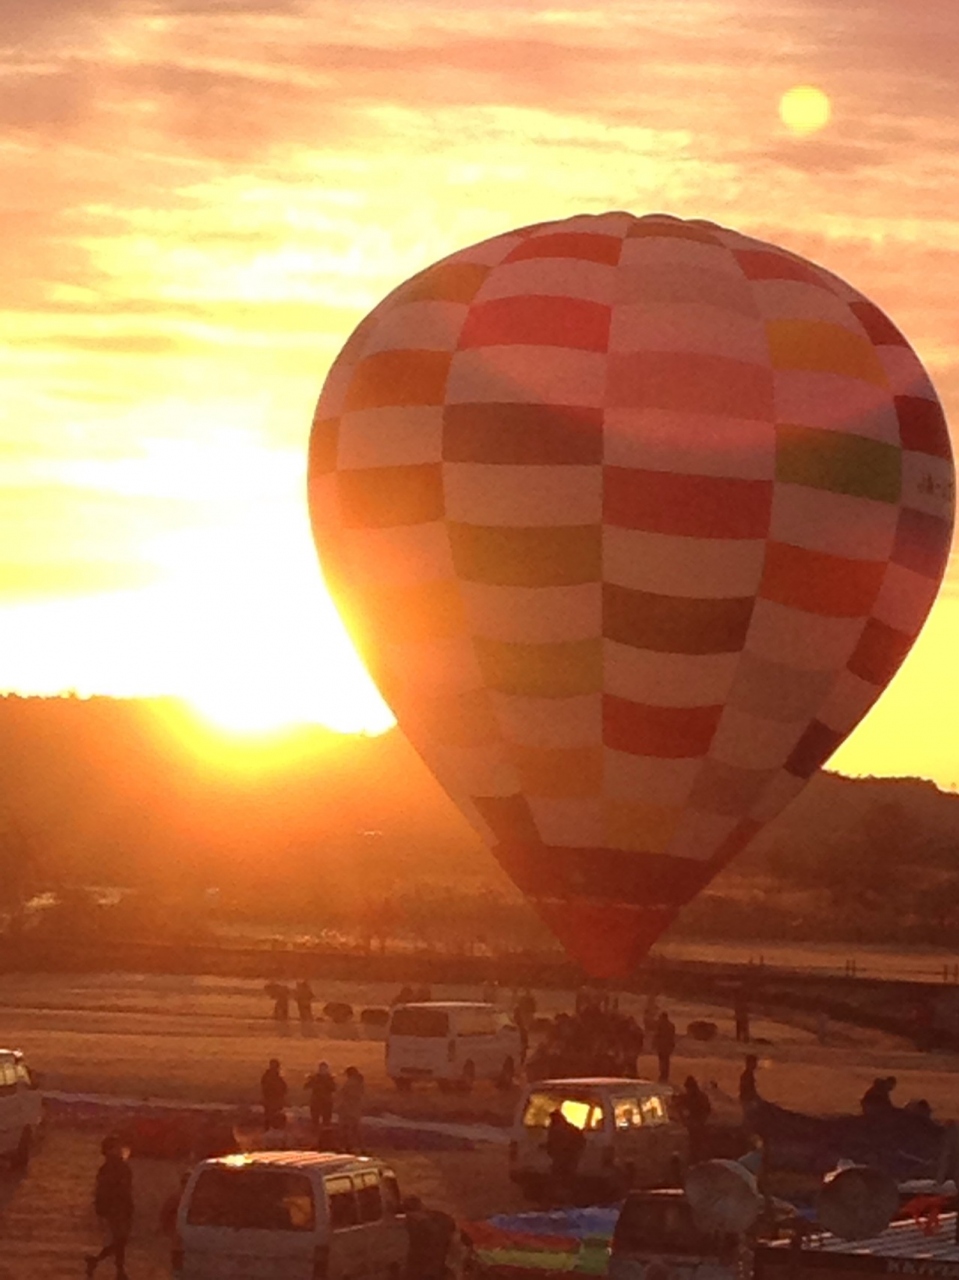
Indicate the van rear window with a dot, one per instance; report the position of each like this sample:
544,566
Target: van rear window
664,1226
426,1024
252,1200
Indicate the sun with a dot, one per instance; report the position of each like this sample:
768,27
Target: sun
805,109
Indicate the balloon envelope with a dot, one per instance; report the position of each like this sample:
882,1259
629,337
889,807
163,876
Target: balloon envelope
631,519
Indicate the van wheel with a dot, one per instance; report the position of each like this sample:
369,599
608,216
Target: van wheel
402,1084
468,1078
21,1156
507,1076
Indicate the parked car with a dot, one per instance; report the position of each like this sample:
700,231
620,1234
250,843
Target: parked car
630,1136
21,1108
655,1236
455,1042
290,1215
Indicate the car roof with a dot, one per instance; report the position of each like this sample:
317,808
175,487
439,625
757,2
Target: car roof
320,1161
448,1005
600,1082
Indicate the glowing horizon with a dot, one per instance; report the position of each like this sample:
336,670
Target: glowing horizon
203,202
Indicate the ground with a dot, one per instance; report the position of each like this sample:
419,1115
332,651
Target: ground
209,1038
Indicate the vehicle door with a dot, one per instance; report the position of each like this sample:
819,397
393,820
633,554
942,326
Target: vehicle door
669,1140
11,1122
349,1249
634,1142
250,1224
386,1235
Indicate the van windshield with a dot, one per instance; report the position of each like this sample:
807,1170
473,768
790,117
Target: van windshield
252,1200
584,1112
426,1024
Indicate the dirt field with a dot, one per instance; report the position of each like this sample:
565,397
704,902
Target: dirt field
208,1039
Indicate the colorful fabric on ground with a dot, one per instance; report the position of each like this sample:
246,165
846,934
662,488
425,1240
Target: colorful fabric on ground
562,1241
631,519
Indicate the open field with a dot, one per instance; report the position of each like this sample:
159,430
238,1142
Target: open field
208,1039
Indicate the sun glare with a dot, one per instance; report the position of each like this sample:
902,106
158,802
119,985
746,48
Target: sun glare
804,109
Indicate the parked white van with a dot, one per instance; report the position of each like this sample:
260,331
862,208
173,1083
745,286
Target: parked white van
290,1215
630,1136
21,1108
454,1042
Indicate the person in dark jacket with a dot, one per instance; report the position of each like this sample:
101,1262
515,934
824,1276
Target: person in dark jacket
321,1087
877,1100
113,1202
564,1145
695,1109
431,1233
664,1042
274,1092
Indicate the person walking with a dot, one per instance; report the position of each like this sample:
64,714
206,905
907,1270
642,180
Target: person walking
322,1088
349,1111
274,1093
113,1202
664,1042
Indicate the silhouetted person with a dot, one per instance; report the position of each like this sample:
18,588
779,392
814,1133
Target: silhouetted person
664,1042
877,1100
430,1233
113,1202
274,1093
650,1015
279,993
696,1109
748,1092
304,1001
321,1087
741,1015
349,1110
564,1145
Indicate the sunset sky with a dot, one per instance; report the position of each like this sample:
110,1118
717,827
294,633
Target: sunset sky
201,199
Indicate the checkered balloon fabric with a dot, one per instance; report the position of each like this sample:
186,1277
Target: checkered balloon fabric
632,519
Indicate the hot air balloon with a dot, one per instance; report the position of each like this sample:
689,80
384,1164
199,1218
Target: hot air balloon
632,519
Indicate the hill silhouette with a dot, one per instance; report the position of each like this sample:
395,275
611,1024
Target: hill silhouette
136,794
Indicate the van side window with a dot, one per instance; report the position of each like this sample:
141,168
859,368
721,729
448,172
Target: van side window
23,1074
252,1200
368,1196
654,1110
391,1192
344,1211
627,1113
476,1022
8,1079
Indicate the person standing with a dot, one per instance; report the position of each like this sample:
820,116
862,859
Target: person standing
349,1111
274,1093
303,994
696,1110
664,1042
321,1087
113,1202
741,1015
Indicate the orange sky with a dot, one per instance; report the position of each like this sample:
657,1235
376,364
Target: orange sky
202,197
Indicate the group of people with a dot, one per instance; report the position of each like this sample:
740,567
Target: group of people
325,1095
598,1039
302,996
